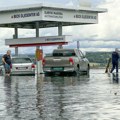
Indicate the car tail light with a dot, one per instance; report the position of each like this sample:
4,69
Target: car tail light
16,67
71,61
11,66
33,66
43,61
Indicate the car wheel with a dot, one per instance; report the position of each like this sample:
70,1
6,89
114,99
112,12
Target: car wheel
88,70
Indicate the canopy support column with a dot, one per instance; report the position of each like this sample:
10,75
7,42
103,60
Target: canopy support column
38,53
15,37
60,33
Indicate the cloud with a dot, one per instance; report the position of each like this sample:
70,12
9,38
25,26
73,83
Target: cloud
3,3
107,29
111,26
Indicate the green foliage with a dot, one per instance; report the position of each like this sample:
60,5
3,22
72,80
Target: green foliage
98,57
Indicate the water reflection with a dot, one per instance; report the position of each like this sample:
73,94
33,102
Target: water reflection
60,97
48,100
115,77
12,97
8,92
7,82
20,97
40,97
66,81
53,94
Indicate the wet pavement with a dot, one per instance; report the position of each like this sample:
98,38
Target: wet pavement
93,97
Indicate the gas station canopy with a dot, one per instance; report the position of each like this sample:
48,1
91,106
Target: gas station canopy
47,16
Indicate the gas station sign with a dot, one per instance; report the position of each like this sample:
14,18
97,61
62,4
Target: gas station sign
45,13
38,41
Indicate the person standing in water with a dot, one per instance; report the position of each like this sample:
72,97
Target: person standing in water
6,59
115,60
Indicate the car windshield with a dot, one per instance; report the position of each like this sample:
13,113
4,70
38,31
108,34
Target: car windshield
64,53
21,60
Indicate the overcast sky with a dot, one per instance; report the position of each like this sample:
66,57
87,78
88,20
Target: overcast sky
107,30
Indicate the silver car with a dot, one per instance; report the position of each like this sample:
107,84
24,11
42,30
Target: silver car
22,65
66,60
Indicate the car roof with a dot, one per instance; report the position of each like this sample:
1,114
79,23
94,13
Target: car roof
20,56
63,49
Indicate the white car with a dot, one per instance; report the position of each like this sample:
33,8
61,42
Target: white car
22,65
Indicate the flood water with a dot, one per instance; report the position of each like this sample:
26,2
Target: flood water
93,97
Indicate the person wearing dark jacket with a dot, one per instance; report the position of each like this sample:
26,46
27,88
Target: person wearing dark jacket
115,58
6,59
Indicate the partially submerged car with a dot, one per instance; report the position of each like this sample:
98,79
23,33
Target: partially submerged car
22,65
66,61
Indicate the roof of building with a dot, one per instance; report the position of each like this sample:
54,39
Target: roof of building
55,6
25,16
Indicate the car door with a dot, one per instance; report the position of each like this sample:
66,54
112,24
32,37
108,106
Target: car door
84,61
79,63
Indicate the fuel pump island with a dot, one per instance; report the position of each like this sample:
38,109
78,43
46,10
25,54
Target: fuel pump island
44,16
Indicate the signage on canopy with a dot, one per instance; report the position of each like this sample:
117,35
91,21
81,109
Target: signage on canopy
39,41
49,14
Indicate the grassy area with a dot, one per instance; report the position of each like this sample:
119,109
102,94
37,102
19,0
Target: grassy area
98,59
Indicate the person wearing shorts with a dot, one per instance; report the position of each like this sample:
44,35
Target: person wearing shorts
6,59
